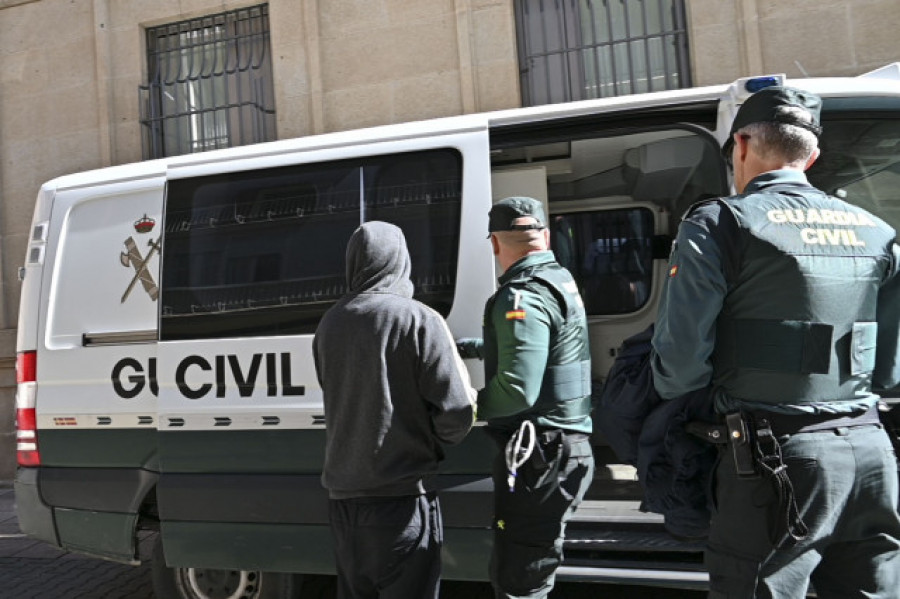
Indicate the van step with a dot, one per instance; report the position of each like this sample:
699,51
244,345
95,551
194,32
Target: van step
619,511
693,580
609,539
635,557
618,535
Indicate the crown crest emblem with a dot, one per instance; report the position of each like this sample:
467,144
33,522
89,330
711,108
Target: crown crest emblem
144,224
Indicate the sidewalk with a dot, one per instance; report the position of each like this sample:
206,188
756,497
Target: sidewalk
32,569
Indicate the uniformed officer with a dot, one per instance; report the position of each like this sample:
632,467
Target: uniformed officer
536,400
778,297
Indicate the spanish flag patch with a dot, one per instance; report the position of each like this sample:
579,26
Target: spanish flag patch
515,315
673,271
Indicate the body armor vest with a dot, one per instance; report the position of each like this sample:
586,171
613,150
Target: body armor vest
565,396
798,325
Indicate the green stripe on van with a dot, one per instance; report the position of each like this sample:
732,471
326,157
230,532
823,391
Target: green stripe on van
223,451
98,448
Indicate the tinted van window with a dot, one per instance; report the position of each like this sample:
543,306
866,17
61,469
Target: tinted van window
610,254
262,252
860,159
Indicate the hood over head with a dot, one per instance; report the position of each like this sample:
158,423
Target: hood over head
378,260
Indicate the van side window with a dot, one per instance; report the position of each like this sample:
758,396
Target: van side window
610,254
262,252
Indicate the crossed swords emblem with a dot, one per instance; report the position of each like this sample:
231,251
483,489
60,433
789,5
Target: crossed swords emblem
141,267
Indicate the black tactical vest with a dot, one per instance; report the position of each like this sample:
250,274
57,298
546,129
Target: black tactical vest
798,324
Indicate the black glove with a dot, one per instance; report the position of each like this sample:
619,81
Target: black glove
470,347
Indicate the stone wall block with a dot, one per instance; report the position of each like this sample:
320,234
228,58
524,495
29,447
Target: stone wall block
361,106
818,40
791,8
874,29
341,17
494,33
427,96
389,53
498,87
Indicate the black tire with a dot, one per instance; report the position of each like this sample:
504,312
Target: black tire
200,583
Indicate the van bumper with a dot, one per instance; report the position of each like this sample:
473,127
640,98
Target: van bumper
35,517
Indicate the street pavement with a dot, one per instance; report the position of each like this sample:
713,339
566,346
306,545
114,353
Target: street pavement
32,569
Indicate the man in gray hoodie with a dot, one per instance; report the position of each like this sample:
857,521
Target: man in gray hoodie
394,389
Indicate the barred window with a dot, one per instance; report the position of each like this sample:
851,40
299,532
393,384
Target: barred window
580,49
209,84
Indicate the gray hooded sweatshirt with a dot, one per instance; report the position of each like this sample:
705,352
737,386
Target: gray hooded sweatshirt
393,384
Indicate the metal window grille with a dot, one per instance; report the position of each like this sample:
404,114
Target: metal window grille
581,49
209,84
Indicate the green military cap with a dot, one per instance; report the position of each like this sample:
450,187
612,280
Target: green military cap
768,105
505,212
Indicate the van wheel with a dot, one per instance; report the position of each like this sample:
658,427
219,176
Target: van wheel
205,583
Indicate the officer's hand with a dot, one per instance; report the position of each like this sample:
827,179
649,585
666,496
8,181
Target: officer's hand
470,347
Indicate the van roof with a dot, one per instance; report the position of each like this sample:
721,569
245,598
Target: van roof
884,81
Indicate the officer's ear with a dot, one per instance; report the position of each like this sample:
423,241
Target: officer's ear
495,245
812,159
742,146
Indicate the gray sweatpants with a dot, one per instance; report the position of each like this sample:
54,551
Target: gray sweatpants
387,547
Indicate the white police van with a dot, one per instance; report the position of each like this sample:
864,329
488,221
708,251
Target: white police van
165,381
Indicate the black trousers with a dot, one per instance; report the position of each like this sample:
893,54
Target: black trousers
846,487
530,522
387,547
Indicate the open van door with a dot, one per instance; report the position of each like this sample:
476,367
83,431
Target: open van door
616,184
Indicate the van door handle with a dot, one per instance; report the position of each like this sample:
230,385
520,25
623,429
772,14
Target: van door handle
319,419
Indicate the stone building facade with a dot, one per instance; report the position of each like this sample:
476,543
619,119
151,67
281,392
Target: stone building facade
70,73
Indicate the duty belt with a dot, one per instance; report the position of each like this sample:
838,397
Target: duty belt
786,424
792,424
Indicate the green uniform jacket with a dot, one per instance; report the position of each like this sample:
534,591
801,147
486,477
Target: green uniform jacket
536,352
778,297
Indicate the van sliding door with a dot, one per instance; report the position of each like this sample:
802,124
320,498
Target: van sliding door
254,255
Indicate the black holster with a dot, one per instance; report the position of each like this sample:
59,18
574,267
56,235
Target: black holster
786,524
742,445
755,453
551,452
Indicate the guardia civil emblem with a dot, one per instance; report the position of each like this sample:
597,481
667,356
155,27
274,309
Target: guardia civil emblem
133,258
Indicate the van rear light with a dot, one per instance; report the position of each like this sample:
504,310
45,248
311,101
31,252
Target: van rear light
26,439
26,415
26,367
37,244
